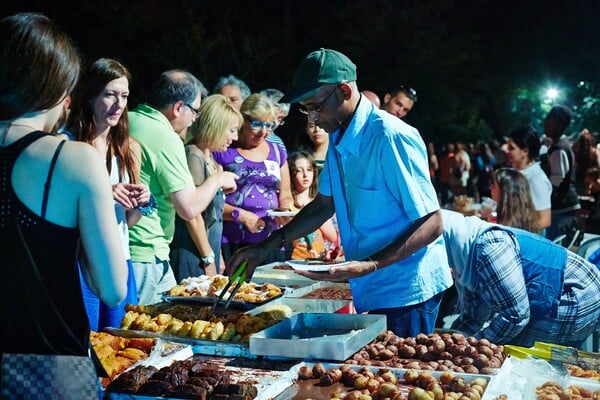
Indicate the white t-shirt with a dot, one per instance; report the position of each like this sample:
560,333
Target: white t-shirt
540,186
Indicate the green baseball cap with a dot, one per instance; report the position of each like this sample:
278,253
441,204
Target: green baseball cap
321,67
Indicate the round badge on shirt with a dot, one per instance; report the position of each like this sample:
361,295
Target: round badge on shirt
238,159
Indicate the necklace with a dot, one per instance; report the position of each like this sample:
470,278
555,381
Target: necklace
10,125
211,164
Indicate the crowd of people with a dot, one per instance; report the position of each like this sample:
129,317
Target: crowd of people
104,206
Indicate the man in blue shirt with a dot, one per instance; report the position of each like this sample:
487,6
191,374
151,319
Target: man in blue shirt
376,180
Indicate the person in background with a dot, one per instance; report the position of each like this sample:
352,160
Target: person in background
174,103
461,170
559,166
400,101
376,171
196,245
264,179
434,165
324,242
586,156
510,189
233,88
592,190
99,117
517,287
485,164
373,98
283,109
51,205
446,161
318,141
522,151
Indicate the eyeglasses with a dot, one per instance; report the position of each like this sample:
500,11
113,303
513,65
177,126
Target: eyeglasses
195,111
410,92
258,125
316,107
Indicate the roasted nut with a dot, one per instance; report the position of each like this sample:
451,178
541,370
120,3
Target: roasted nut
481,361
407,351
305,372
411,376
318,370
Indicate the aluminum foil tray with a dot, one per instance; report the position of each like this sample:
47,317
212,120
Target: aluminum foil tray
293,391
318,336
270,377
303,291
199,346
304,305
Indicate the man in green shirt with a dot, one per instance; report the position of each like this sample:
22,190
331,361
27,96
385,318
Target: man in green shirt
159,126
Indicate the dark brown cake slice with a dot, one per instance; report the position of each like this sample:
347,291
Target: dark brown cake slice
131,381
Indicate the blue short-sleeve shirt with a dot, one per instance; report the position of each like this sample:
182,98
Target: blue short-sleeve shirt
378,176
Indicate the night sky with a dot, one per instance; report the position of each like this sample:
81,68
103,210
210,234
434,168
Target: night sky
465,58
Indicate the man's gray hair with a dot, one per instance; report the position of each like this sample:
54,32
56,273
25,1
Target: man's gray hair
173,86
232,80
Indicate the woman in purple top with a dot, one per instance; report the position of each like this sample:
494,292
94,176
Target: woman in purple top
264,182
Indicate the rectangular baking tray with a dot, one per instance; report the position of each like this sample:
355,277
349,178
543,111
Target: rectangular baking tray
199,346
292,390
303,291
318,336
304,305
269,377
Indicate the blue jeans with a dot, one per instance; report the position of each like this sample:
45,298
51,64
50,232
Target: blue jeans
413,319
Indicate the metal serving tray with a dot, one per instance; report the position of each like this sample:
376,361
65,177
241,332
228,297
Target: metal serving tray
199,346
304,305
318,336
280,277
303,291
324,392
269,377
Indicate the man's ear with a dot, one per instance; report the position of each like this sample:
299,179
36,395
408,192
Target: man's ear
346,90
386,98
178,108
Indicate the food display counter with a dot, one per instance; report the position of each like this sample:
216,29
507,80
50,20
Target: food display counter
306,348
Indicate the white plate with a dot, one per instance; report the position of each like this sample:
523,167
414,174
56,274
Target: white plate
275,213
303,265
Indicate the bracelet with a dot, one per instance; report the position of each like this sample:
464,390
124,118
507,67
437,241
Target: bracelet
374,265
149,208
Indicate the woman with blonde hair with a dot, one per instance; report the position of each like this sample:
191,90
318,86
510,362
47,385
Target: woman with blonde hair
264,178
510,189
196,245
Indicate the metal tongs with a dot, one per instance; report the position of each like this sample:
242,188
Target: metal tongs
238,277
555,352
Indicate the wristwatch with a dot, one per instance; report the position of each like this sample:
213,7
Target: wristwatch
209,259
235,214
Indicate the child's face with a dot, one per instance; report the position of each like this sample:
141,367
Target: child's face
303,175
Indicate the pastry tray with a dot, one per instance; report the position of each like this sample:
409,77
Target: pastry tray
199,346
208,301
270,377
318,336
